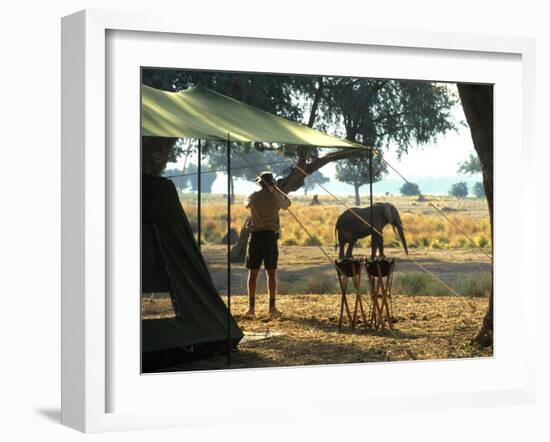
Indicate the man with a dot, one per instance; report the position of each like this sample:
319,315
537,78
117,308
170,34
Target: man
263,225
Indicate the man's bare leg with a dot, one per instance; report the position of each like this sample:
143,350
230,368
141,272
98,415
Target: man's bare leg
252,282
272,290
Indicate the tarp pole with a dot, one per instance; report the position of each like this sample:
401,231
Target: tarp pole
373,251
199,192
228,250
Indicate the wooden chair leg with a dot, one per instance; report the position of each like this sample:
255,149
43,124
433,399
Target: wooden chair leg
350,318
359,301
344,303
343,286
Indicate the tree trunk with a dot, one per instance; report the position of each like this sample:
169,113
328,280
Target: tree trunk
295,179
232,192
357,197
477,102
316,101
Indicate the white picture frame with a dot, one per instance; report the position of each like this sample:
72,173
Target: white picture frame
87,205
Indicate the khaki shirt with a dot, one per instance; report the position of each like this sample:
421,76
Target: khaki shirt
264,209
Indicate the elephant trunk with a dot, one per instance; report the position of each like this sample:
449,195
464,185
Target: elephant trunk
397,224
399,228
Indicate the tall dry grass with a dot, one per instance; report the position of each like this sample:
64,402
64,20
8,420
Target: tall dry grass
424,227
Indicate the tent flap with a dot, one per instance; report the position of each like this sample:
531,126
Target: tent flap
203,316
202,113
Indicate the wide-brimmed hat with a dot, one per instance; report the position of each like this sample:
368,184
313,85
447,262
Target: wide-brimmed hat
266,178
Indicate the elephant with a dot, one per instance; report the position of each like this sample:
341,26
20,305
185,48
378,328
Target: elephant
355,223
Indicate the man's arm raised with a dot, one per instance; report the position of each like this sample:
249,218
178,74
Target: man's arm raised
282,198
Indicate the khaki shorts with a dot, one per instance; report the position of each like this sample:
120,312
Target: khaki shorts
262,247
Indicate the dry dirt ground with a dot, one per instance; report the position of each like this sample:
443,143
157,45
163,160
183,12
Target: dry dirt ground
299,264
427,327
437,327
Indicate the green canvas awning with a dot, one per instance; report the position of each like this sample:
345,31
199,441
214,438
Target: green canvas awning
202,113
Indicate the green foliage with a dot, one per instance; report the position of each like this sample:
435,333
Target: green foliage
470,166
383,112
478,190
290,242
409,189
483,241
459,190
156,152
272,93
373,112
479,285
319,284
311,180
419,283
356,171
312,240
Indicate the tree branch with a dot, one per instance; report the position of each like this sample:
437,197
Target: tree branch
295,178
334,156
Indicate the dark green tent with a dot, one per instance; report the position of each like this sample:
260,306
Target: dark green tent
172,262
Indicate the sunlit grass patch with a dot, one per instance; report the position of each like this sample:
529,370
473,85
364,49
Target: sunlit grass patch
424,227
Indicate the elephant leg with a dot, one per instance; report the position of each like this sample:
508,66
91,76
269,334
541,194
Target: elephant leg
341,246
376,245
381,244
349,253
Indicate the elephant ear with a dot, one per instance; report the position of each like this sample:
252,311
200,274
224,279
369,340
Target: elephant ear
388,213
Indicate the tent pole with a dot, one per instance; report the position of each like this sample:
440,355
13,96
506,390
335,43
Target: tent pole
199,192
373,251
228,250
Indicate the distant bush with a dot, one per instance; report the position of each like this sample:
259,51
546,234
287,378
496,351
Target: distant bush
482,241
419,283
290,242
409,189
478,285
460,243
312,240
314,285
284,288
212,232
437,245
478,190
459,190
319,285
393,243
